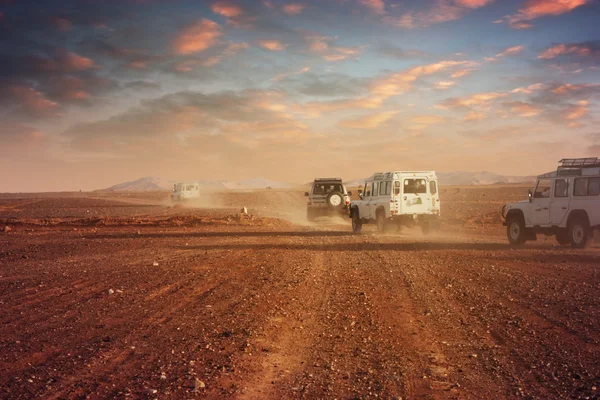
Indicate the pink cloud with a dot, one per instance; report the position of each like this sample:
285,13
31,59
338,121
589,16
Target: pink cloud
34,101
507,52
534,9
564,49
441,11
74,62
527,89
523,109
227,9
271,44
197,37
462,72
473,3
137,64
293,8
375,6
576,111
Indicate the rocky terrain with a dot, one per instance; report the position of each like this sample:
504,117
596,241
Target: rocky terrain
125,295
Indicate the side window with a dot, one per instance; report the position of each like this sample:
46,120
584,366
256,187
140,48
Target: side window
542,191
375,190
587,187
432,187
581,187
561,188
368,189
384,188
594,189
397,188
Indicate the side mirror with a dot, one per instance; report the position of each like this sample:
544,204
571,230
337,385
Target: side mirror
349,193
305,194
530,195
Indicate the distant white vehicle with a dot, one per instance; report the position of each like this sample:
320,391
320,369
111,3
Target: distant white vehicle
564,203
406,198
185,191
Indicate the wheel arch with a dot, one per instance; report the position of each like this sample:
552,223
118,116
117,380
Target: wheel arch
515,213
578,214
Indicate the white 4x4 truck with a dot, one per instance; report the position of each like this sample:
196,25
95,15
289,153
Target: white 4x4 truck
406,198
327,197
185,191
564,203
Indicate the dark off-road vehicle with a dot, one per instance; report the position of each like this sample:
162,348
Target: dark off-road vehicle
327,197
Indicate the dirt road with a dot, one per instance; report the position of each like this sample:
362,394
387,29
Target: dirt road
256,309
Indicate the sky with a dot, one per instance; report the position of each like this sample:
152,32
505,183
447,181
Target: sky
98,92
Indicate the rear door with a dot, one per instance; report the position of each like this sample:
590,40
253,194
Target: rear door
416,197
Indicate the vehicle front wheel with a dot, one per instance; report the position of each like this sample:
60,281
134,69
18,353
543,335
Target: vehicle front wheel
380,222
515,230
579,233
356,222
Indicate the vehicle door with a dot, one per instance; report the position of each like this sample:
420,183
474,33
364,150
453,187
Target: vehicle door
559,202
374,199
540,203
363,203
416,197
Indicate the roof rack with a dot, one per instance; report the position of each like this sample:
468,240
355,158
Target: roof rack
573,166
328,179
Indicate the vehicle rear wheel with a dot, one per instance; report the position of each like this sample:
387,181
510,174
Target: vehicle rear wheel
579,232
380,222
356,222
515,230
562,237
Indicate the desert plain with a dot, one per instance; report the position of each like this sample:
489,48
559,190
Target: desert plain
124,295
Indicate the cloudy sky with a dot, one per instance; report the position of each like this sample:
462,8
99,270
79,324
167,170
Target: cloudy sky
97,92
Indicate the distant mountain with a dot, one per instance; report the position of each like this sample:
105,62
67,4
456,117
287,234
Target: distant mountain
465,178
148,183
151,183
479,178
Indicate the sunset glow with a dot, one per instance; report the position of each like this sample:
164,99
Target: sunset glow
95,93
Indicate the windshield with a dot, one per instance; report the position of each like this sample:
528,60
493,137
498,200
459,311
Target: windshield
324,188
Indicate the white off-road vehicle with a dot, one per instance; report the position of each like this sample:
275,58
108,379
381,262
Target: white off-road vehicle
327,197
185,191
564,203
403,198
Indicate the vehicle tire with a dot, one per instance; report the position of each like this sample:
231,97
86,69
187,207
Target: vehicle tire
310,215
335,200
515,230
562,237
380,220
579,232
356,222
